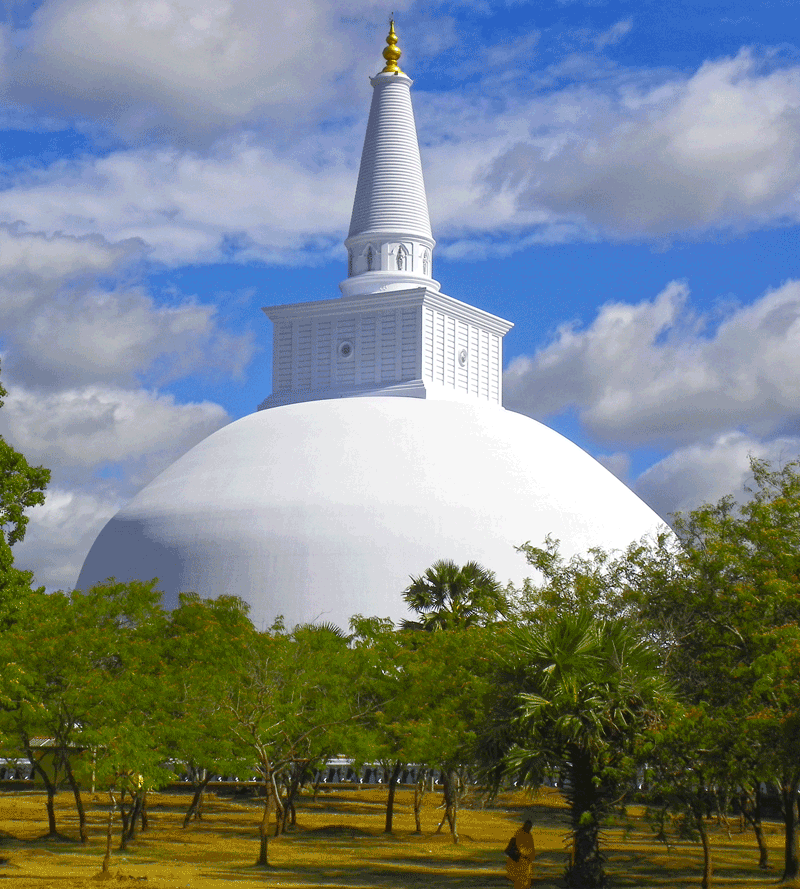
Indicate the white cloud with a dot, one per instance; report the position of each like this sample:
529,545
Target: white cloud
103,444
122,335
719,149
636,154
613,35
649,373
35,266
78,332
704,472
72,313
242,200
97,425
192,68
60,534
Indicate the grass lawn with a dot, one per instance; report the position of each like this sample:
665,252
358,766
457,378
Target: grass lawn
339,842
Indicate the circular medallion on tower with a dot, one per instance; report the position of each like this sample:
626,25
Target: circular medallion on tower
345,350
462,358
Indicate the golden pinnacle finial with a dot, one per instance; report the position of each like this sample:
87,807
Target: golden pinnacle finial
392,53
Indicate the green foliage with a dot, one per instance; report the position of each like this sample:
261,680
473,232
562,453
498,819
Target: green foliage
88,676
725,608
290,698
580,695
205,646
21,487
447,595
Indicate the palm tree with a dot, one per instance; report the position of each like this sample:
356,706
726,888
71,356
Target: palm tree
447,595
578,694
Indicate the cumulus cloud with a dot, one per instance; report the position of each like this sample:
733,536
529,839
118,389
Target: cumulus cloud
704,472
60,534
719,149
651,373
187,68
531,159
243,201
98,425
73,312
34,266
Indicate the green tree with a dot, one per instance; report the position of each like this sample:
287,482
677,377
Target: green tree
425,692
687,769
45,700
292,689
450,681
447,595
454,599
389,701
127,694
206,642
579,694
21,487
88,665
725,607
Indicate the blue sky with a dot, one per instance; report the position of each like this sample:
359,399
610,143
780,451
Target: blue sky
621,180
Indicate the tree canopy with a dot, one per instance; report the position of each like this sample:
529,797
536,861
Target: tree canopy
447,595
21,487
578,694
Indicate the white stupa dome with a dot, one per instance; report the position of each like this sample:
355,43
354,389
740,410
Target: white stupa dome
383,445
321,510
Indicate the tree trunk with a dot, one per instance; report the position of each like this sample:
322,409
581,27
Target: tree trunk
791,866
750,805
419,793
297,780
586,868
123,814
390,800
708,865
278,809
51,810
317,784
50,787
763,849
76,792
137,811
263,828
723,800
197,800
107,856
452,802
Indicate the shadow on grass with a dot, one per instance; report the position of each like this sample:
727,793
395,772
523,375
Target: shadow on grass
366,874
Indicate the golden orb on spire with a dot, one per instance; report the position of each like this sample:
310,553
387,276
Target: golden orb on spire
392,52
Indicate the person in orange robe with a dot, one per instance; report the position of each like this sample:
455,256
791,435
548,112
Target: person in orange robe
521,872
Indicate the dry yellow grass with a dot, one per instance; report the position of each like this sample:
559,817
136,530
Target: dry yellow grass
339,843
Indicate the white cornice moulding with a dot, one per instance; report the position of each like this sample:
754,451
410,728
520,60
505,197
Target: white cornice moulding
389,301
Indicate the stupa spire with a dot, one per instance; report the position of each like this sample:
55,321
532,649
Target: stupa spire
390,244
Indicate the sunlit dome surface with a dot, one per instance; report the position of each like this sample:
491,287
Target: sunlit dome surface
320,510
